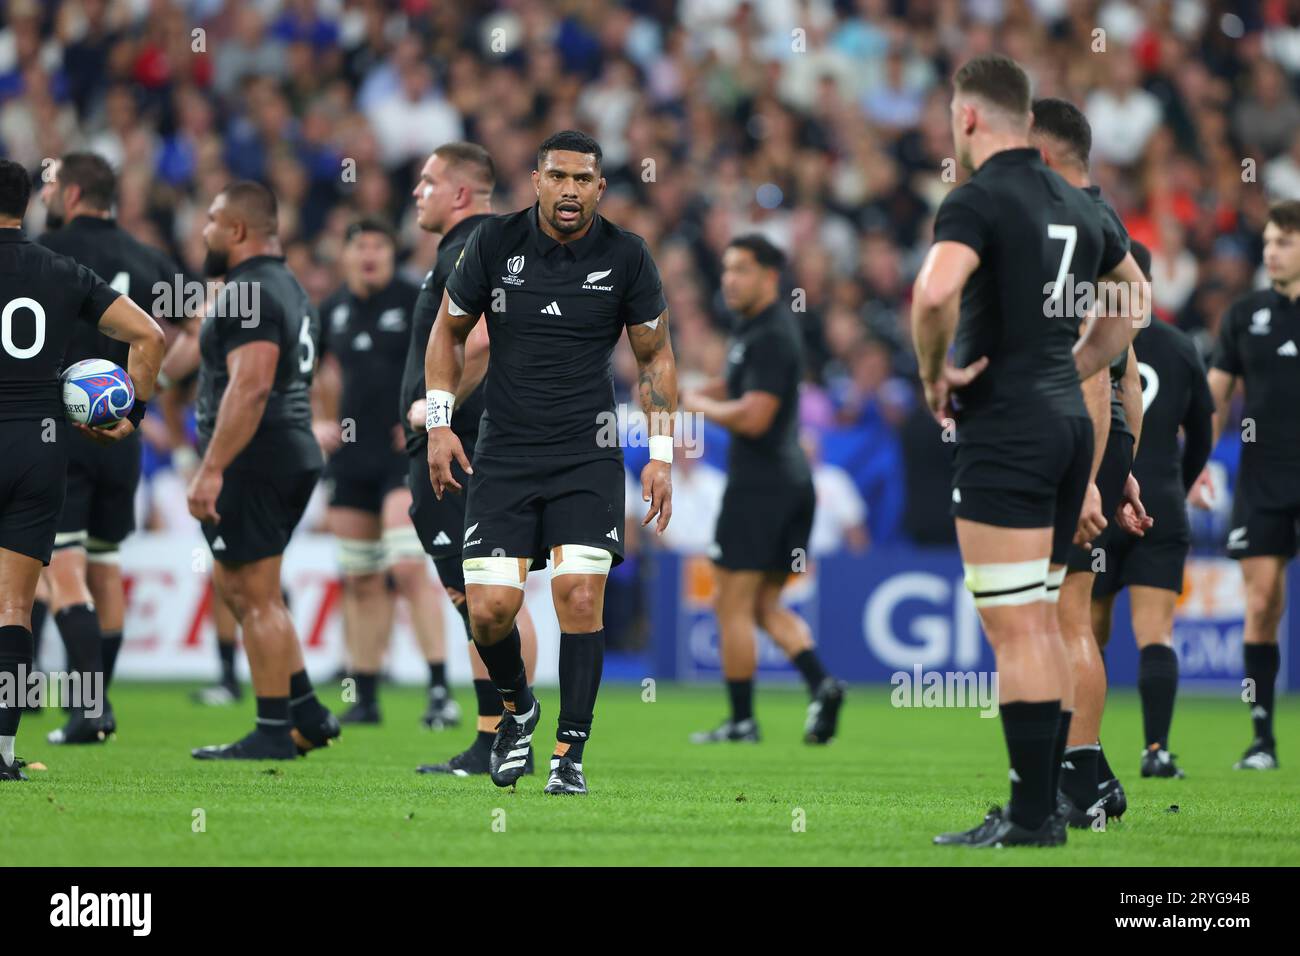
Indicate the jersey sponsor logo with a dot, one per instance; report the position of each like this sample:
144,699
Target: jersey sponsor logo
1259,320
593,277
514,265
1288,348
392,320
362,342
553,309
441,539
339,317
956,496
1237,539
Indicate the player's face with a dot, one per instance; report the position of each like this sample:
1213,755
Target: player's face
568,188
369,260
744,281
216,236
435,194
1281,253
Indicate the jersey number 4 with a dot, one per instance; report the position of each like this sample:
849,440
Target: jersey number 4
1071,236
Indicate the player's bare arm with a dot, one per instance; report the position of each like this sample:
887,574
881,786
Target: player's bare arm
657,389
326,387
1132,516
127,322
1096,398
252,374
936,301
1108,335
444,367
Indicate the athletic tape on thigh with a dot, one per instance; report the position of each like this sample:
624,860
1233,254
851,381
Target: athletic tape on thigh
402,544
1017,582
581,559
1053,584
70,539
504,572
360,556
99,551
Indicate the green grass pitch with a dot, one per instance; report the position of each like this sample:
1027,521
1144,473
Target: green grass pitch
875,796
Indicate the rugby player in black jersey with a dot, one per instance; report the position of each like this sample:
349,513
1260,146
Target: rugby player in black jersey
43,296
767,511
1062,134
1149,561
1259,344
1006,242
260,460
452,196
85,575
557,284
365,331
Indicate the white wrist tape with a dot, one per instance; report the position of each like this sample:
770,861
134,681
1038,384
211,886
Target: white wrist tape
661,448
437,409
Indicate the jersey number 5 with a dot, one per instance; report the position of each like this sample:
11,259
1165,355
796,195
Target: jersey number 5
1071,236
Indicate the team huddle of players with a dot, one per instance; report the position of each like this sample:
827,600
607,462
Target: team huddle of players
459,420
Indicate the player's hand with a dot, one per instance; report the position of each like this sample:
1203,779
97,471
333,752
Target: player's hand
204,490
1131,516
1201,494
938,394
1091,520
444,446
657,488
109,433
328,435
415,414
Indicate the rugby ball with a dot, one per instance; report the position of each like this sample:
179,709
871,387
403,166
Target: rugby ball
96,392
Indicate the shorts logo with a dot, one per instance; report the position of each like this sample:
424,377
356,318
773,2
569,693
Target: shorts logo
612,534
1259,321
1288,349
470,530
219,544
442,538
1237,538
593,277
515,265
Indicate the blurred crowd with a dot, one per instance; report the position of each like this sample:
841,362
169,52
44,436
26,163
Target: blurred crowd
822,123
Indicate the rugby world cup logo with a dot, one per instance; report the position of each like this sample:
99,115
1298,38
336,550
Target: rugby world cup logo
515,264
115,397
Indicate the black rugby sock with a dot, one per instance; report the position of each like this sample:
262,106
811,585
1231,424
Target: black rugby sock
110,646
303,704
226,654
15,663
811,669
582,661
40,610
1079,777
273,716
741,695
1157,686
1031,731
79,626
438,674
367,688
1058,752
1104,773
504,661
1262,662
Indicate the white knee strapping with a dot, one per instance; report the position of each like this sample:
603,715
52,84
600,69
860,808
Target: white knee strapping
99,551
70,539
581,559
503,572
401,544
1017,582
359,556
1053,584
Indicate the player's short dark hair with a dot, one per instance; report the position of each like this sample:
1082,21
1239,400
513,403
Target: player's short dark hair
471,157
15,189
371,224
256,204
571,141
1066,123
765,253
92,173
1142,256
997,79
1285,215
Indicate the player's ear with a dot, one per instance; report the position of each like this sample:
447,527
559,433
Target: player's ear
537,179
600,188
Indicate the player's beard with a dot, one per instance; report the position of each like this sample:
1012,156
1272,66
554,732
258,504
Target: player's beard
216,263
563,228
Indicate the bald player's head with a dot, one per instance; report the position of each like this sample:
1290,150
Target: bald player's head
242,222
990,97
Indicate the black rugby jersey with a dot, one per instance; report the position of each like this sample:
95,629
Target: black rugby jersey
1117,246
1030,228
766,356
263,302
44,298
465,417
369,337
143,274
1174,395
1259,341
554,312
